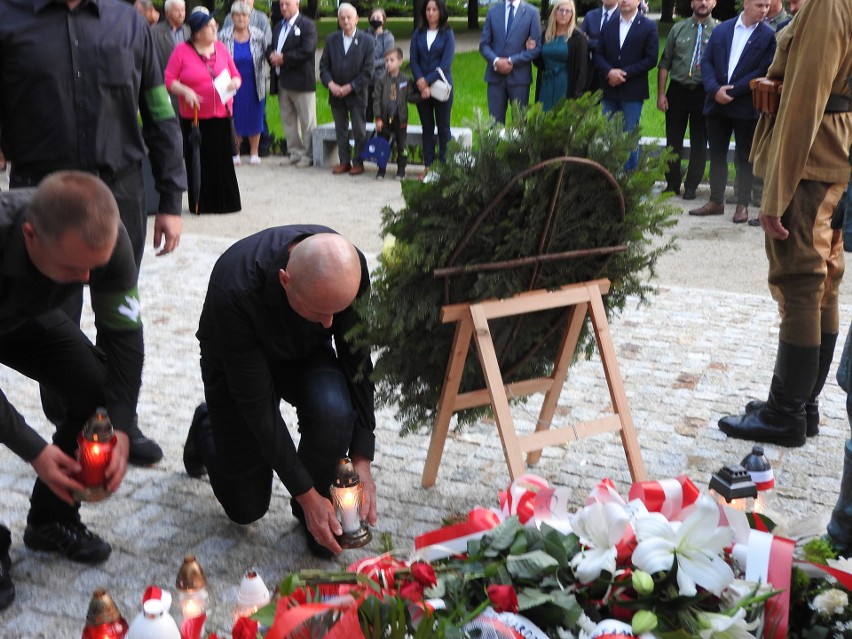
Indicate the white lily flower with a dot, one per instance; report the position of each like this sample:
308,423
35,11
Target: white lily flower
696,544
600,527
719,626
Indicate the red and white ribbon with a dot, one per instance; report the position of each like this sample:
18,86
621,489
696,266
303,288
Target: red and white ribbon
452,540
669,497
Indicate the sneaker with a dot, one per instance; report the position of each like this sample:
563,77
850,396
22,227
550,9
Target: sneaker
7,588
69,538
143,451
255,160
193,460
237,160
304,162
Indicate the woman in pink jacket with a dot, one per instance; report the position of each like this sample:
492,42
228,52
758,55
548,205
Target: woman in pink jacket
190,73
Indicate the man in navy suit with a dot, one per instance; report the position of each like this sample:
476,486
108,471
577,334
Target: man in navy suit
627,50
509,26
591,26
739,49
346,67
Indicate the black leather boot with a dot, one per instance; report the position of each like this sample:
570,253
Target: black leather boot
826,355
781,421
840,526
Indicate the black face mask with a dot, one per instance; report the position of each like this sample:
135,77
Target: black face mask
376,23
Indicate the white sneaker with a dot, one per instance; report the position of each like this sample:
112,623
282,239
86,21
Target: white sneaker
255,159
305,162
237,160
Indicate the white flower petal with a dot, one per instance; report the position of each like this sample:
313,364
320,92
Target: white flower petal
653,526
616,522
588,564
708,571
654,555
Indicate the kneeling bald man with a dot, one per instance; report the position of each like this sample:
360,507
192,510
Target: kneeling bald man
275,301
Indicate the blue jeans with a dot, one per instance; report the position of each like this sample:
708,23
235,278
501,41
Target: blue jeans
632,111
240,475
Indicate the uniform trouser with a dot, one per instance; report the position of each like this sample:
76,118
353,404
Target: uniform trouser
298,110
354,107
52,350
719,129
239,467
686,106
805,269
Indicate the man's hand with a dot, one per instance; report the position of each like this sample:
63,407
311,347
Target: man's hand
503,66
722,96
368,503
379,125
662,102
276,59
616,77
167,230
117,466
56,469
772,226
321,520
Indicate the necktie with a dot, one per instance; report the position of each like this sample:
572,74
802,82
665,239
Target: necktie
605,18
511,17
695,67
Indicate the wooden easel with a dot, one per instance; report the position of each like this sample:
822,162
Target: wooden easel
472,323
581,300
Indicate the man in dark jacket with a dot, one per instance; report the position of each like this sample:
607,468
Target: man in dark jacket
292,56
53,240
346,67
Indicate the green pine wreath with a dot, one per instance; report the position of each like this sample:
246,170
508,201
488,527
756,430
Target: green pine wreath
430,232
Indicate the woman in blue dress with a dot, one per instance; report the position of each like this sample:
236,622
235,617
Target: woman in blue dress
247,45
564,58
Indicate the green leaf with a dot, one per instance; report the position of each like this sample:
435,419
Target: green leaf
502,537
531,565
532,597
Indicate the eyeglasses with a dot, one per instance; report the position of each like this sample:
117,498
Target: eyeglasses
564,12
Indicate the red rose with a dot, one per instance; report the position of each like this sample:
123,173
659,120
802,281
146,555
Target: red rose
244,628
503,598
424,574
412,591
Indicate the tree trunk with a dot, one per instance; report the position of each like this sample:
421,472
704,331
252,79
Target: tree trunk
667,11
473,14
418,4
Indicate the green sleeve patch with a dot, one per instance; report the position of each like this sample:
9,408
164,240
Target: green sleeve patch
120,311
159,104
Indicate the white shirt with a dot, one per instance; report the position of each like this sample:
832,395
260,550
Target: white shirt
347,42
431,34
624,27
286,28
741,36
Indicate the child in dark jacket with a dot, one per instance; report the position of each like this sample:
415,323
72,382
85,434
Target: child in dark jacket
391,96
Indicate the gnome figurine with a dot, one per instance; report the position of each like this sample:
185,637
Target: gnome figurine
154,622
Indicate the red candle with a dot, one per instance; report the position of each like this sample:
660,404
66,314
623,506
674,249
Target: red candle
94,450
103,620
114,630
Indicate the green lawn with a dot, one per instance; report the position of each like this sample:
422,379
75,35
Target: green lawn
468,70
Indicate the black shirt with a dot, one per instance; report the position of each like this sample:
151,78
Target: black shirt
25,294
247,328
74,84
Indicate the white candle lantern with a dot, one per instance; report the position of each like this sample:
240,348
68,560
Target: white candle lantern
346,495
191,584
253,595
732,486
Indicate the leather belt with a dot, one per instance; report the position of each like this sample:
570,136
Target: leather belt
836,104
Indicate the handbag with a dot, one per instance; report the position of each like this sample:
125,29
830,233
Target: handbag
441,89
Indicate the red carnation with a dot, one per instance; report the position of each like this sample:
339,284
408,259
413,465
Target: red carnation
503,598
412,591
424,574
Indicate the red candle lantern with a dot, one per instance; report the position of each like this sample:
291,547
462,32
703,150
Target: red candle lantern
104,621
94,450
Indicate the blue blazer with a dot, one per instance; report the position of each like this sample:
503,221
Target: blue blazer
496,43
636,57
591,26
425,61
753,63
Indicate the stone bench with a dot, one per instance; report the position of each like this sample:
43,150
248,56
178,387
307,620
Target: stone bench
325,140
661,144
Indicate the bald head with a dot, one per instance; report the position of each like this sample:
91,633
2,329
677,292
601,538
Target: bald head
322,276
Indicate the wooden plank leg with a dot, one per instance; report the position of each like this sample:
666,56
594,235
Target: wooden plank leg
577,315
497,392
447,403
629,441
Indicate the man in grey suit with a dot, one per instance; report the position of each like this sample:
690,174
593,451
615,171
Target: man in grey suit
509,26
169,33
346,67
